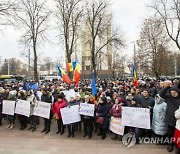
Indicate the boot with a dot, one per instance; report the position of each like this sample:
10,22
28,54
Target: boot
43,130
47,131
58,132
33,129
69,135
62,132
30,128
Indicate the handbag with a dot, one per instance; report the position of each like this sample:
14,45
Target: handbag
100,120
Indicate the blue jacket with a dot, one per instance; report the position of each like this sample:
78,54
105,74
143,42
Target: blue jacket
158,125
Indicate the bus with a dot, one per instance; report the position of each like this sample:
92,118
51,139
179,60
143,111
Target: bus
11,78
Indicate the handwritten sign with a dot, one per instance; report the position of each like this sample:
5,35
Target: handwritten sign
42,109
87,109
136,117
116,126
23,108
70,114
8,107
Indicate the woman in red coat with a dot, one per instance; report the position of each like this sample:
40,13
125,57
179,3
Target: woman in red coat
116,111
57,113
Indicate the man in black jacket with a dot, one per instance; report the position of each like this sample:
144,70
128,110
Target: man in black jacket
172,98
146,101
47,122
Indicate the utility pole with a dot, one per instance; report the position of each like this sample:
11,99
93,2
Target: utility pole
175,67
29,65
134,54
8,67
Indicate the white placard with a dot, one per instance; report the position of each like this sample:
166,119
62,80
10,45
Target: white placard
136,117
116,126
87,109
8,107
42,109
23,108
70,114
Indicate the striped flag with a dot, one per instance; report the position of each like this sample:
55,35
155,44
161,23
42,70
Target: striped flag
133,74
63,75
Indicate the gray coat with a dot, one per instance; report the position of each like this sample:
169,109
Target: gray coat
158,125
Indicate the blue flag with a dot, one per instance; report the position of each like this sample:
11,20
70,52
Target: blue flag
35,87
132,70
59,71
94,88
25,86
74,65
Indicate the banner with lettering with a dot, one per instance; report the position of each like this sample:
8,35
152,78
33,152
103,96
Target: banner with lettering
136,117
116,126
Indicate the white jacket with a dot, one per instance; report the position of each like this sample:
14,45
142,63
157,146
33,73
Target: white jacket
177,115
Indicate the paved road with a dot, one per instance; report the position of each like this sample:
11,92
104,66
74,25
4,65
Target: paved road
25,142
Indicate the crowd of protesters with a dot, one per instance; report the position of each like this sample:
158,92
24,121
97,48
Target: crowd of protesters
161,97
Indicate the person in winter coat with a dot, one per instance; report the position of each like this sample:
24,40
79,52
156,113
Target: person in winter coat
146,101
47,122
152,89
59,104
22,118
11,118
32,100
87,120
177,132
103,112
78,101
71,127
129,97
172,98
2,97
158,125
116,111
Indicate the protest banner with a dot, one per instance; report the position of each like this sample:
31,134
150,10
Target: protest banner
116,126
23,108
70,114
136,117
42,109
87,109
8,107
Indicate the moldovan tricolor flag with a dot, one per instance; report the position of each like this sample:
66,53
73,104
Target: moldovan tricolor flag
134,76
77,74
69,67
63,75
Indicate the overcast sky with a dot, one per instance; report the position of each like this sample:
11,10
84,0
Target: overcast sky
128,14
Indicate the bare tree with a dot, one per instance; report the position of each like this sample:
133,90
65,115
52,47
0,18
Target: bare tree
169,12
48,64
32,17
7,8
152,52
69,15
100,30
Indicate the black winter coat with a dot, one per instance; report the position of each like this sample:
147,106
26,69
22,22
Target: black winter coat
172,105
103,111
